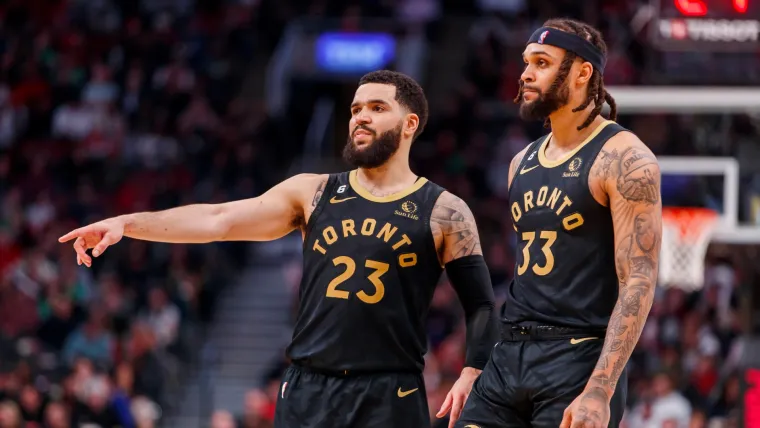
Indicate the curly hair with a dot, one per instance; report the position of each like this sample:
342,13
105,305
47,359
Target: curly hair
596,91
409,93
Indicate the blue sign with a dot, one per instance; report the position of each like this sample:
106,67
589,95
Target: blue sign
354,52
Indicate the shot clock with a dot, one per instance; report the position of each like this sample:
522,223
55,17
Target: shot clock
706,25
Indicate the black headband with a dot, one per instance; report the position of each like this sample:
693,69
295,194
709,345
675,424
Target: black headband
570,42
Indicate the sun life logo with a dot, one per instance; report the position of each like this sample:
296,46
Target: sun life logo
408,210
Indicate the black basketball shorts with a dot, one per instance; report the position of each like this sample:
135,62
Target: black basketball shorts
531,383
309,399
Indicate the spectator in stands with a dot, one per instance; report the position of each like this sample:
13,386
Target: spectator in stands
222,419
666,406
91,341
56,416
162,316
10,417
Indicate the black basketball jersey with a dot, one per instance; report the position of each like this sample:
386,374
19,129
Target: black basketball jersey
565,264
370,268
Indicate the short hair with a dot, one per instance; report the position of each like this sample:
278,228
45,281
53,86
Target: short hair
409,93
596,91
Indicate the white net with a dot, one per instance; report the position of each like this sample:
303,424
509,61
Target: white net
686,234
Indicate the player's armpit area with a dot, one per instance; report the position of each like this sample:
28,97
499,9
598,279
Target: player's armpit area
454,229
514,164
631,181
282,209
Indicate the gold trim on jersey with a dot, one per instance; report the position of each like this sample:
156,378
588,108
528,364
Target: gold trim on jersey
364,193
548,163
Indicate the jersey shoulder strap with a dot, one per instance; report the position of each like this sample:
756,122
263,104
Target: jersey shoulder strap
531,153
332,181
432,192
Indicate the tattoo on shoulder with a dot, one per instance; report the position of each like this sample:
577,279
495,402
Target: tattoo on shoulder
637,181
318,194
301,219
634,171
610,163
453,220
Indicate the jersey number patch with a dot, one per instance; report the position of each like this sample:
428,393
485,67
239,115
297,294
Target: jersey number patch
374,278
550,237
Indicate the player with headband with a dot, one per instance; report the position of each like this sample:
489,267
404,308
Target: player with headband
585,202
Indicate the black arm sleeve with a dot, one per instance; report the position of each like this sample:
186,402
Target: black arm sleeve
472,282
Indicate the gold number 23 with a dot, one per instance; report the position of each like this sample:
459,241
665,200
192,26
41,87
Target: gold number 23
380,269
550,237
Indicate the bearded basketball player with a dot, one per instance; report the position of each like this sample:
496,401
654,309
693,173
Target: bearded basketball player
376,240
585,201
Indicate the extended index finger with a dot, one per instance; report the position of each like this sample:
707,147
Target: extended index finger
76,233
456,411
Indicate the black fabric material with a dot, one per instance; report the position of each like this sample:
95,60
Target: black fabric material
570,42
311,399
514,333
531,383
470,278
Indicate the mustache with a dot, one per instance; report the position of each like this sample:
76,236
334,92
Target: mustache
531,88
362,127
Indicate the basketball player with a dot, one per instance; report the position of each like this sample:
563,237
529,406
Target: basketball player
376,240
585,202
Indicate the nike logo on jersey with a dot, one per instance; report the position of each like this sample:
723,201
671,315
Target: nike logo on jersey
402,394
524,170
575,341
335,200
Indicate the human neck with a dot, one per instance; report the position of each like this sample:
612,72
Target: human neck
565,125
390,177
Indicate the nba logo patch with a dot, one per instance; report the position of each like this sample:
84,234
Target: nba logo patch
542,37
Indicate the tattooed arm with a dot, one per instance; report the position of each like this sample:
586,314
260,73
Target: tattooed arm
458,244
454,229
632,183
626,176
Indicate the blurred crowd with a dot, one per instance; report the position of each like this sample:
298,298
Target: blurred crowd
110,107
115,106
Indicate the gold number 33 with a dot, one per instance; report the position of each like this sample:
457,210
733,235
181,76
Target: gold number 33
550,237
374,278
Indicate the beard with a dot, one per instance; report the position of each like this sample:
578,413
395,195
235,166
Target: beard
376,152
547,103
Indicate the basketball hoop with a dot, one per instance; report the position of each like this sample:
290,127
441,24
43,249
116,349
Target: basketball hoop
685,237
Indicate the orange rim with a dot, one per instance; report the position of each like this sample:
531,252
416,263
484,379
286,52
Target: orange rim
690,223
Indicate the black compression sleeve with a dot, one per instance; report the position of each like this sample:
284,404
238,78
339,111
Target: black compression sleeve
472,282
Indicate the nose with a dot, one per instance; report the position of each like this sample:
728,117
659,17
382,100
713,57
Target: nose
527,75
362,117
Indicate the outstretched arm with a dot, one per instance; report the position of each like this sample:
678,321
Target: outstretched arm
458,243
272,215
630,178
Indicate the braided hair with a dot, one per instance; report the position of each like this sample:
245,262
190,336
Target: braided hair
596,92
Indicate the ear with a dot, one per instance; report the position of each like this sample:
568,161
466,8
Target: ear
411,123
585,72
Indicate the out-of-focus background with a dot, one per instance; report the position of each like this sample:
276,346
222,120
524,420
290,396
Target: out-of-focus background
116,106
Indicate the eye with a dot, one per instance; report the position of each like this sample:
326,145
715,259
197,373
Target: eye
378,108
355,111
542,63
